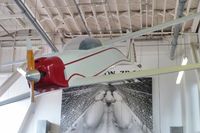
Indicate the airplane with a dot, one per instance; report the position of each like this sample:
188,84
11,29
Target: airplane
72,68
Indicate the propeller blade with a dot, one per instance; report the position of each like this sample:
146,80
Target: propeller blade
21,71
30,65
32,91
30,59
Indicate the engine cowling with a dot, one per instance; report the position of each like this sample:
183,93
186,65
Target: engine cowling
52,73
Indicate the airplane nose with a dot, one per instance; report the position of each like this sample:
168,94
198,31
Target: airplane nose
49,73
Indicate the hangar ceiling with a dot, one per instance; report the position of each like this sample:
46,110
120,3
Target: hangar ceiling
66,19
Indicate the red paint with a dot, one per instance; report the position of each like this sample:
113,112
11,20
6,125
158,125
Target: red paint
76,74
52,69
92,55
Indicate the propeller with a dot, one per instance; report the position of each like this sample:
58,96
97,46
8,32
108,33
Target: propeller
32,75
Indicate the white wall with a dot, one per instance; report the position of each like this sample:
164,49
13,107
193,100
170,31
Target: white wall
12,115
173,105
47,107
166,94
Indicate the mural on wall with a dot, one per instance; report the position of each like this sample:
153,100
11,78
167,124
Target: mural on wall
121,107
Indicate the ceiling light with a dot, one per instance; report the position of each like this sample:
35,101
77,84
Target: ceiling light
180,74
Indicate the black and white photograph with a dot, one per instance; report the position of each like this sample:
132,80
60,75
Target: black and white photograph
121,107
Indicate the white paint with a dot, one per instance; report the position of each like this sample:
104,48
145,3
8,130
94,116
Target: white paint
96,64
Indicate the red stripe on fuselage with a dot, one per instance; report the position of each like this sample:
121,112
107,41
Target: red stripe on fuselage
77,74
110,66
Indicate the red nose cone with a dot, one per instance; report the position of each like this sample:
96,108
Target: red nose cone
52,74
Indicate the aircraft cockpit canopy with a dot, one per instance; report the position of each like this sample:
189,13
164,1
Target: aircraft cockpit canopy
89,43
82,43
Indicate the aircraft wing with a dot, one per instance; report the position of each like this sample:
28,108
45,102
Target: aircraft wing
114,78
132,75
